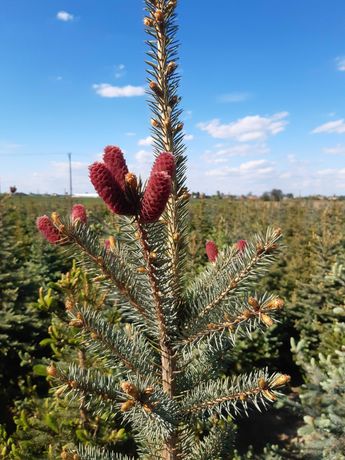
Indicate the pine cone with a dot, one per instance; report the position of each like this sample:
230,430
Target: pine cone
241,245
79,213
211,251
164,162
115,162
109,190
48,230
155,197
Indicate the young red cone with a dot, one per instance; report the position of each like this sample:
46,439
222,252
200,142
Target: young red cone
211,251
114,160
241,245
48,230
164,162
109,190
78,213
155,197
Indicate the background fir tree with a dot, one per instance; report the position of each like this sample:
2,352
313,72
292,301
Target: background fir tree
169,353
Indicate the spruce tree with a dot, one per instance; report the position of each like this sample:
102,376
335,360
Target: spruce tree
164,362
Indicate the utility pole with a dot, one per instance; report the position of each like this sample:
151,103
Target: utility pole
70,173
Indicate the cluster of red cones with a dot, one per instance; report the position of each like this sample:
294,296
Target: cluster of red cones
119,190
49,227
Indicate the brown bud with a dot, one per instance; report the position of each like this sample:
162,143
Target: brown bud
243,396
275,304
149,391
130,389
94,335
171,4
179,127
254,303
159,16
211,326
262,384
65,455
176,236
51,370
127,405
131,181
154,123
267,320
171,67
141,270
280,381
271,247
148,22
269,395
153,255
148,407
73,384
76,457
259,248
246,314
173,101
76,323
155,88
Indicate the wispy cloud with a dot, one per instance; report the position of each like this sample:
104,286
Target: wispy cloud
340,63
146,141
107,90
337,126
143,156
248,169
120,71
336,150
64,16
234,97
223,153
188,137
250,128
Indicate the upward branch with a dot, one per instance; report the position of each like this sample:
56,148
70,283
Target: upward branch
167,128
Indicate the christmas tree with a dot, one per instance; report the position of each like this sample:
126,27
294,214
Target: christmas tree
161,367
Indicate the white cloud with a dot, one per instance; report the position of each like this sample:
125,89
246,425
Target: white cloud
64,16
146,141
337,150
340,62
336,126
143,156
130,134
249,169
188,137
234,97
250,128
237,150
107,90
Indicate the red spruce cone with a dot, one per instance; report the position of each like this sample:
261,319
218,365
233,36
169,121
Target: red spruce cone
211,251
115,162
156,196
164,162
48,230
79,213
241,245
109,190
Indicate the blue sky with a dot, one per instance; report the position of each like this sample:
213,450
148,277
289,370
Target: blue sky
263,87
